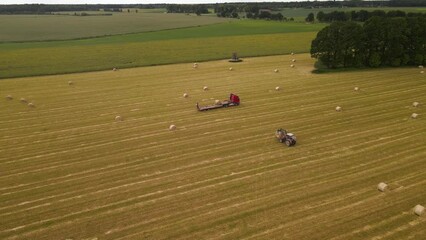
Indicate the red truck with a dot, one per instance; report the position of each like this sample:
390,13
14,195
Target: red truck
234,100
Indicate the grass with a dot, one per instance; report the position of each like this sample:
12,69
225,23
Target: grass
26,28
68,170
248,38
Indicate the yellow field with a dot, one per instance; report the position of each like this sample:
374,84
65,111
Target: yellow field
68,170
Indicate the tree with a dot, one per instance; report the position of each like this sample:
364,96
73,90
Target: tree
320,16
310,18
265,15
325,46
339,44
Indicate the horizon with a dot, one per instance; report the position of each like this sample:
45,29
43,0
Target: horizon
70,2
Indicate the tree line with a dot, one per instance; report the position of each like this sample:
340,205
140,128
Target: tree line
252,11
274,6
187,8
380,41
360,16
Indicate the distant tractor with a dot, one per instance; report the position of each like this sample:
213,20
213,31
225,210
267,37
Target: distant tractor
235,58
285,137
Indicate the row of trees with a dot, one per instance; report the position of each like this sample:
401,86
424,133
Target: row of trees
252,11
360,16
187,8
380,41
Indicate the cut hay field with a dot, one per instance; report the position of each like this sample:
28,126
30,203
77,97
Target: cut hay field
68,170
27,28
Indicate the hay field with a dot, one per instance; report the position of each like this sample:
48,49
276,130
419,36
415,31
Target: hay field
68,170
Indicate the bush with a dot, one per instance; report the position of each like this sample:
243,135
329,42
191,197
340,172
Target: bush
396,62
418,59
374,60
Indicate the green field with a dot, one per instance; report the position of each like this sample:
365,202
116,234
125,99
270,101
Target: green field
248,38
25,28
70,171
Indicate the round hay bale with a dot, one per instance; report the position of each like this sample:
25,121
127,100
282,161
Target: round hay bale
185,95
230,69
422,72
338,109
276,70
70,83
382,187
114,69
292,65
118,118
205,88
172,127
292,53
217,102
420,66
9,97
277,88
356,88
416,104
419,210
414,115
293,60
31,105
23,100
195,65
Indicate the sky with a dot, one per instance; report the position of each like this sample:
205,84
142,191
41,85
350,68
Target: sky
131,1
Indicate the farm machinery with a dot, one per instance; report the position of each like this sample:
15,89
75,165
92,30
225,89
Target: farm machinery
285,137
234,100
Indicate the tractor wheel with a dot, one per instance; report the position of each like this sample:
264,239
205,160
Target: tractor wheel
288,143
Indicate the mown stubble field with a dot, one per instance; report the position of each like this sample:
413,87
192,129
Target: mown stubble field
69,170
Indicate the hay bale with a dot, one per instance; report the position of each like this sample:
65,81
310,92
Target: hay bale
356,88
205,88
118,118
276,70
70,83
414,115
23,100
31,105
338,109
217,102
292,65
172,127
416,104
277,88
9,97
114,69
382,187
195,65
420,66
185,95
293,60
422,72
292,53
419,210
230,69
